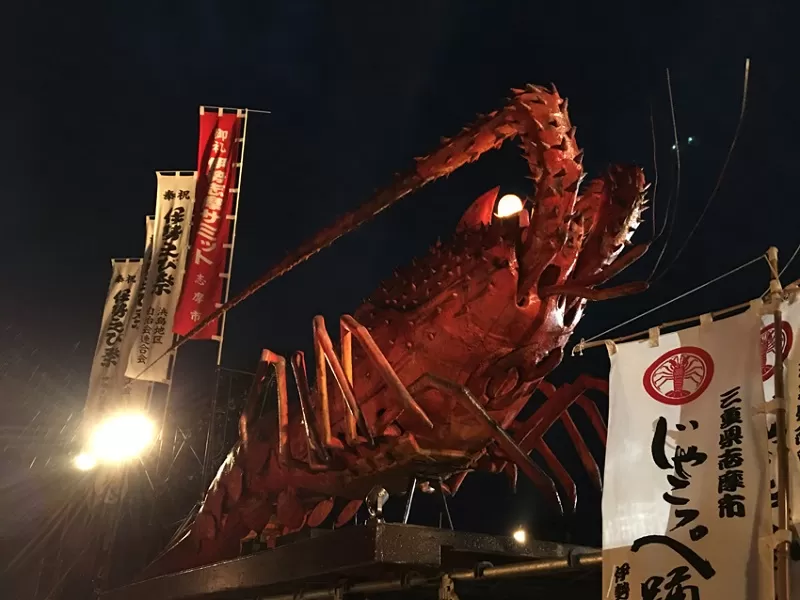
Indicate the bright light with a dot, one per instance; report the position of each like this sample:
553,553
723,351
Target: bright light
520,536
509,205
690,139
84,462
121,437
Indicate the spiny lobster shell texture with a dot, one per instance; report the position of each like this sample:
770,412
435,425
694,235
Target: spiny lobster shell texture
450,348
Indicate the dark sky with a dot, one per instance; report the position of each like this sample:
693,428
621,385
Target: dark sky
97,98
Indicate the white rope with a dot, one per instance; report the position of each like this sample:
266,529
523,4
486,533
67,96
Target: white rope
683,295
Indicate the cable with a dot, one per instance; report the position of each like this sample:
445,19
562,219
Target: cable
786,266
721,174
683,295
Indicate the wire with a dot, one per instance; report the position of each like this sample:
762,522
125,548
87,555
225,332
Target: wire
721,174
671,218
786,266
683,295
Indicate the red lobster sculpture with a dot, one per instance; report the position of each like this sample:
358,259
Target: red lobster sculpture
447,352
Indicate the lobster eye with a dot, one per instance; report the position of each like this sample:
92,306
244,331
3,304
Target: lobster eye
508,206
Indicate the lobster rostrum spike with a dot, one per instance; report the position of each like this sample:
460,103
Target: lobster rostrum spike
431,372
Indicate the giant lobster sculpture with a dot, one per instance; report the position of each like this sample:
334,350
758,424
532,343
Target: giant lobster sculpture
447,352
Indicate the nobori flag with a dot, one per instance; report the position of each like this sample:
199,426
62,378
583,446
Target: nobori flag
686,492
107,378
174,202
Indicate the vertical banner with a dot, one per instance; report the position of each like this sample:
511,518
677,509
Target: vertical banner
686,492
218,155
107,377
136,320
174,200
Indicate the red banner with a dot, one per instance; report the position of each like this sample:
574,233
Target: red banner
216,175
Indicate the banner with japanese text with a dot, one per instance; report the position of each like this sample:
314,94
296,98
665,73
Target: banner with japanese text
174,201
790,316
107,377
686,492
216,164
136,320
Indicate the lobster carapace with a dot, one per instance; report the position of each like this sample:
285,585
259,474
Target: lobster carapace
446,354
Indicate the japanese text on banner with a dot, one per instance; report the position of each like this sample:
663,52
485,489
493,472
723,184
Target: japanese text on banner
686,494
217,158
174,201
107,378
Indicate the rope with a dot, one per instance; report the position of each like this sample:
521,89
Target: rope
683,295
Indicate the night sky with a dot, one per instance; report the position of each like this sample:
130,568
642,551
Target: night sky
96,99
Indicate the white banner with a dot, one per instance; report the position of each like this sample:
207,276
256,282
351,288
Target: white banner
107,378
174,201
686,492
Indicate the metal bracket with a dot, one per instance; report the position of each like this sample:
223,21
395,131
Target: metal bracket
375,500
447,589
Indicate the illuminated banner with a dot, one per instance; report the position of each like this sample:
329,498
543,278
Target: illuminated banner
790,315
686,492
107,377
216,165
174,202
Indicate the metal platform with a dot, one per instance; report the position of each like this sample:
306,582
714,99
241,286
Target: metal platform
392,559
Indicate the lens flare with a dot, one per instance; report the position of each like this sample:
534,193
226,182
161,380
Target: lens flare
520,536
84,462
121,437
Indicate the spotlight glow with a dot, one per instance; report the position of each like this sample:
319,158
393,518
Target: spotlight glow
520,536
121,437
509,205
85,462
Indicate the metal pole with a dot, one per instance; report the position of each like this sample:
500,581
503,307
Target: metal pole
782,585
537,567
409,500
221,337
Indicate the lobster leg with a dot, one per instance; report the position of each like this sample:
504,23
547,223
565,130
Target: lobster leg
325,352
310,423
530,433
352,327
519,457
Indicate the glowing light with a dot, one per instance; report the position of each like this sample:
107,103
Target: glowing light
85,462
121,437
690,139
520,536
509,205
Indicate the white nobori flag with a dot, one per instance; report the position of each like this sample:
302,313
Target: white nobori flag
686,493
165,270
107,378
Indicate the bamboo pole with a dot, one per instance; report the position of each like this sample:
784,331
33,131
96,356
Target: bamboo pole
782,580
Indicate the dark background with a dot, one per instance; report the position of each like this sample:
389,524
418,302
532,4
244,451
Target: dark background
95,98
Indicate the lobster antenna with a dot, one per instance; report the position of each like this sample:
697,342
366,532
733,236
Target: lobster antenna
721,173
655,173
670,217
